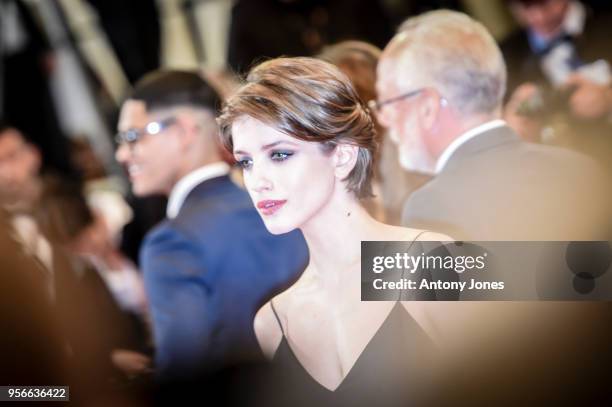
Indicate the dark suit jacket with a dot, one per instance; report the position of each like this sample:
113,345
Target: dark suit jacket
496,187
524,65
207,272
589,136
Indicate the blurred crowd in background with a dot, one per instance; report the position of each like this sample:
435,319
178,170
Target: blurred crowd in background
73,229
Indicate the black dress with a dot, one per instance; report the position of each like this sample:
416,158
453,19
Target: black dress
392,370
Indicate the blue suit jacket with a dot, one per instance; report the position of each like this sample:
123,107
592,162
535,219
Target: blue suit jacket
207,272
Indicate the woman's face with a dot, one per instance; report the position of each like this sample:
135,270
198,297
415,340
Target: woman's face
289,180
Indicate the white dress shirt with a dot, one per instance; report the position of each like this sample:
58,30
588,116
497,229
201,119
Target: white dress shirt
471,133
189,182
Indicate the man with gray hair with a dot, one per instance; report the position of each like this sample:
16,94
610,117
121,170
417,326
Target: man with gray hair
441,82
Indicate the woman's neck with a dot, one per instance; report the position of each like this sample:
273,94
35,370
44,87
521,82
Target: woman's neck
334,237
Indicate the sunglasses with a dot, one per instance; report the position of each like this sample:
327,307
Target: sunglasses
131,136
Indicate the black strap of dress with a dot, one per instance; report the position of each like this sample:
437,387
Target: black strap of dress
277,318
399,295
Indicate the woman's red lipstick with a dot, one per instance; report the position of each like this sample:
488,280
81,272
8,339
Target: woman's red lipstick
269,207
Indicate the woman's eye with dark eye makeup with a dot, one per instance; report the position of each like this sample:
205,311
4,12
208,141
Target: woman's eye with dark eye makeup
244,163
280,155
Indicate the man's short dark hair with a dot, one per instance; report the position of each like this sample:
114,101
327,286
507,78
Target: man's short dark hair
164,89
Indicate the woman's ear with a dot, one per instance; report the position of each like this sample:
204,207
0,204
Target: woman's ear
345,157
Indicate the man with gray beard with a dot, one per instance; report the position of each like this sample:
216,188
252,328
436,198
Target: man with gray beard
441,82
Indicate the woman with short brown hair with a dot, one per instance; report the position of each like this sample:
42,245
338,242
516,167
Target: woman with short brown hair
305,142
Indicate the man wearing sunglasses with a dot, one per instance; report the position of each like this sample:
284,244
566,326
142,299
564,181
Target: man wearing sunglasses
211,264
441,81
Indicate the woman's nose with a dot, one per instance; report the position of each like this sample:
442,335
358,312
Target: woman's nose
259,180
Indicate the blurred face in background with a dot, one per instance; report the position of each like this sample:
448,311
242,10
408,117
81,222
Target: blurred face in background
153,160
402,121
93,239
545,17
289,180
19,167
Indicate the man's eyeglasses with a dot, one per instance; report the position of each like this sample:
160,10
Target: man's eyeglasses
131,136
376,106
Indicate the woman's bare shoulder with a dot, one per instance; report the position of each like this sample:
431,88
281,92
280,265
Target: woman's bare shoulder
269,320
267,330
